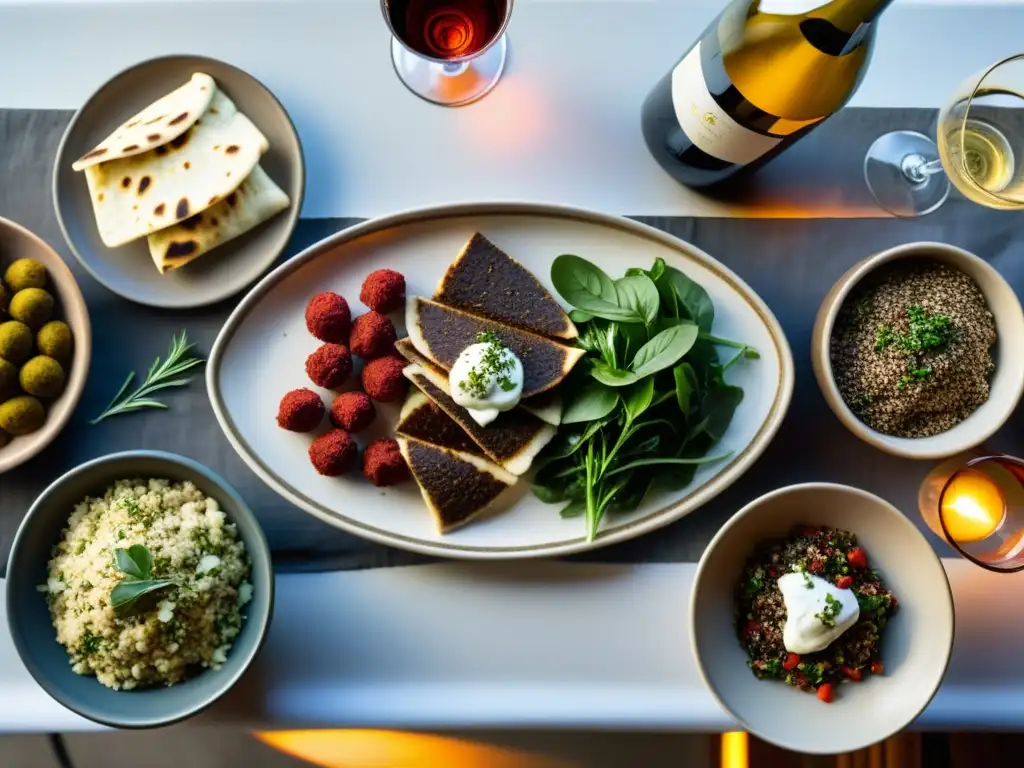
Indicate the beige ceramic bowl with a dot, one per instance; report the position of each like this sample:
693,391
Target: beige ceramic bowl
1007,383
916,643
16,242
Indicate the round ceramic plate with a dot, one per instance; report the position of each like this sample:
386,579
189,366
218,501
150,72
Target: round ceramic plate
260,354
128,270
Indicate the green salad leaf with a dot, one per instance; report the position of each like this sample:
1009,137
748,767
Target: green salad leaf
648,401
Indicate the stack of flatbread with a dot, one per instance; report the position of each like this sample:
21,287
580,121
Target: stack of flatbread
183,173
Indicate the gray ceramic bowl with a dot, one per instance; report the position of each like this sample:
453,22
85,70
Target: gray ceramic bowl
916,643
16,242
29,618
128,270
1006,383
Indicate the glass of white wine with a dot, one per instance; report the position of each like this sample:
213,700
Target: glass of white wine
980,147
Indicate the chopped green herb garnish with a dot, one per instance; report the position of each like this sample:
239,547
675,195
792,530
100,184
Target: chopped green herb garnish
828,614
807,580
754,585
91,643
496,362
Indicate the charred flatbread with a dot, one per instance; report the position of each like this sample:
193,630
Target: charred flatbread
546,406
484,280
456,486
440,333
424,420
511,440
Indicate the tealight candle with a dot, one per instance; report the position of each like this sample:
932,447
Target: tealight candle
973,506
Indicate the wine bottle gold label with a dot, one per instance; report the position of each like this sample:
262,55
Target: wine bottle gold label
706,124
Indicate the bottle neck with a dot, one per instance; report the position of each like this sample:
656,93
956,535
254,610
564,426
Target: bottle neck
840,26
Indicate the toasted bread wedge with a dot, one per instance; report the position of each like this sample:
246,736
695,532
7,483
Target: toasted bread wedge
484,280
547,406
422,419
456,486
511,440
440,333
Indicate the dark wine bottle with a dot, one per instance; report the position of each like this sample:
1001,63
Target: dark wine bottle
765,73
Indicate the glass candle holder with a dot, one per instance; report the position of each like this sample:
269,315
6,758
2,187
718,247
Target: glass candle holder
976,504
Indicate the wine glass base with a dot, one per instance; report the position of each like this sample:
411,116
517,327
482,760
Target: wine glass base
889,173
450,85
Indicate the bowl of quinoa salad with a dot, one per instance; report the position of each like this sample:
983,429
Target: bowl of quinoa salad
139,589
833,556
834,591
907,346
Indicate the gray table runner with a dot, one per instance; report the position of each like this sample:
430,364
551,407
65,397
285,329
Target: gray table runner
791,263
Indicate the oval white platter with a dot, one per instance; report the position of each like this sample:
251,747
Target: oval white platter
260,354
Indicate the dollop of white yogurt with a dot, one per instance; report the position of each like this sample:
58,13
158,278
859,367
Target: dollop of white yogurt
817,612
486,379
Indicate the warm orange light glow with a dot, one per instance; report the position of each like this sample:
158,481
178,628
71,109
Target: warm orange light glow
972,507
396,749
735,750
516,120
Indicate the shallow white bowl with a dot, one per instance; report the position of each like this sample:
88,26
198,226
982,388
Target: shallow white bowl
916,643
1007,383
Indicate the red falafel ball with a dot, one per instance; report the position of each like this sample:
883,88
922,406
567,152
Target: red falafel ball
383,463
383,290
373,335
329,366
328,317
333,452
353,411
301,410
383,379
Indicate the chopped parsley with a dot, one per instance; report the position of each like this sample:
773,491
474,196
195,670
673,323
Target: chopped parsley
754,585
872,602
495,362
807,580
830,611
91,643
926,331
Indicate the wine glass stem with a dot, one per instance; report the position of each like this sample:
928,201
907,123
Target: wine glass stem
452,69
917,169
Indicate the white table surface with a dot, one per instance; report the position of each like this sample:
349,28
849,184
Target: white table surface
563,125
527,645
515,645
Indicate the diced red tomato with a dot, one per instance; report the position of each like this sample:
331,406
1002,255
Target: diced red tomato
773,572
751,626
857,557
844,582
791,661
816,566
811,530
877,668
851,673
893,601
825,692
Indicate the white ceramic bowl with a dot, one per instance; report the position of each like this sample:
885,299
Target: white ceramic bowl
916,643
1007,383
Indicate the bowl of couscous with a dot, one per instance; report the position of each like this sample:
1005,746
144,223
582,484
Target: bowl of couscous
139,589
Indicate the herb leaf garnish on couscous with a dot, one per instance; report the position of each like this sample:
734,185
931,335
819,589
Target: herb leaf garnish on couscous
137,563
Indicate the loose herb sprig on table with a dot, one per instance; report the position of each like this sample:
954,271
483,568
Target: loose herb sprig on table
649,395
137,564
161,375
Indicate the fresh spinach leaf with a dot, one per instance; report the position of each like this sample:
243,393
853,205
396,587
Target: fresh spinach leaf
637,398
664,350
587,287
718,408
638,293
126,596
591,402
613,377
657,269
574,508
686,385
134,561
688,298
579,316
660,461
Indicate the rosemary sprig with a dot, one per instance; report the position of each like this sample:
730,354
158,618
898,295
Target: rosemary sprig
161,375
